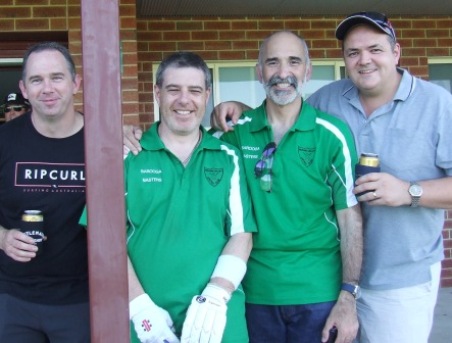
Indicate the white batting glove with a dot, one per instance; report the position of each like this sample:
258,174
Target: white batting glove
152,323
206,316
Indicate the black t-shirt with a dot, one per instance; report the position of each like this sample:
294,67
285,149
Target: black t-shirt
46,174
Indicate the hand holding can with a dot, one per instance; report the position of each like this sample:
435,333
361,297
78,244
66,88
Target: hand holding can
33,226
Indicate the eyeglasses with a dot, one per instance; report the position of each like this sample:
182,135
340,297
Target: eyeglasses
14,108
263,167
379,18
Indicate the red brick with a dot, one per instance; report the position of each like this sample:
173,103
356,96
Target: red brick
448,244
232,35
58,24
6,25
49,11
218,45
446,282
321,24
438,52
155,25
189,46
189,25
400,24
257,35
275,25
443,42
162,46
297,24
245,45
444,23
232,55
32,24
425,43
74,12
176,35
149,36
217,25
324,43
128,23
414,52
15,12
313,34
203,35
31,2
127,10
412,34
242,25
437,33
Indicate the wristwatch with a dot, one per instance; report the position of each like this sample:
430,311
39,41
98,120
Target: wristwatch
415,191
354,290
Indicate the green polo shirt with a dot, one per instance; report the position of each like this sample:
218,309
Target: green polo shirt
296,254
180,219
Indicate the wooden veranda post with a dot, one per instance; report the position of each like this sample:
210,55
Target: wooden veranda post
104,171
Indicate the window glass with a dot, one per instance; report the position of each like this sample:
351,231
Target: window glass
441,74
240,84
321,76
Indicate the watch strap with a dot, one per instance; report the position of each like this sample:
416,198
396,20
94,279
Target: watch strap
351,288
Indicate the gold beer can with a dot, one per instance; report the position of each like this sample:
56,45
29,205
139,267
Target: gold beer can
369,159
33,226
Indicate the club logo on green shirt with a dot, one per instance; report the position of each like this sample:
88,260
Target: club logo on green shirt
213,175
306,155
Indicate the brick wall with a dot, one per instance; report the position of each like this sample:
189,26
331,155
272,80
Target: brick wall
239,38
64,15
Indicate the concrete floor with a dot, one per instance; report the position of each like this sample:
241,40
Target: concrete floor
442,325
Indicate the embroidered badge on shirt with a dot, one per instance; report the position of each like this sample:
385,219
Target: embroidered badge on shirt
306,155
213,175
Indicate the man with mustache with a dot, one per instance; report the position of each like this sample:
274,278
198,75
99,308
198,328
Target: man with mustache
304,268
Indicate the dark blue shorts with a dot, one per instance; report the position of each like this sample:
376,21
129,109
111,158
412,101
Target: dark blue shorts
287,323
25,322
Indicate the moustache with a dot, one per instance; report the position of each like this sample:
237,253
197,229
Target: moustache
276,79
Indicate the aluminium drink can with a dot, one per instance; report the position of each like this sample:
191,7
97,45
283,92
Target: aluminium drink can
33,226
369,159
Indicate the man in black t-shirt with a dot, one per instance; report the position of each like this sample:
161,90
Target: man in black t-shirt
44,297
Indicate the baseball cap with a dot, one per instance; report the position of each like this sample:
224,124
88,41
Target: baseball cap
15,98
375,19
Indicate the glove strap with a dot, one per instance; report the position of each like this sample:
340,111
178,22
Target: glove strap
216,292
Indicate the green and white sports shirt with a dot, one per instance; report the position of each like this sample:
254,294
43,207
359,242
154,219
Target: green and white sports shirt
180,218
296,253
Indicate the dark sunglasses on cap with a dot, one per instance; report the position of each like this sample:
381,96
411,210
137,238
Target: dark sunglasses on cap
14,108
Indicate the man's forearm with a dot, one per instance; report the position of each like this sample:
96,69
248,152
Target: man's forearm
351,226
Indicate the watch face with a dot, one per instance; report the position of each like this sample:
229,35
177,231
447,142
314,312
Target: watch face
415,190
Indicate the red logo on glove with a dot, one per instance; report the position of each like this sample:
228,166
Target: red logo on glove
146,325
